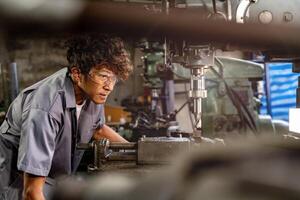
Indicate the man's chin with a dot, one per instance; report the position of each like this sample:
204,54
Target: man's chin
99,101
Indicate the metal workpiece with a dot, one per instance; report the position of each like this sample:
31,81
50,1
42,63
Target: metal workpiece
122,156
161,150
101,152
84,146
116,145
106,151
111,145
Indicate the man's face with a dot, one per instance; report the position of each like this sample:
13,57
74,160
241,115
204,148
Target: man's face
98,83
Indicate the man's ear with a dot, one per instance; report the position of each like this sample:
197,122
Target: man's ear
75,74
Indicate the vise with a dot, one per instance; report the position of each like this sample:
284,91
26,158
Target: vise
152,150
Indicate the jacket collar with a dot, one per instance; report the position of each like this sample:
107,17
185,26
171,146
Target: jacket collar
69,92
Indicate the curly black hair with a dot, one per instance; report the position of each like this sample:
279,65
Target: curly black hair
88,50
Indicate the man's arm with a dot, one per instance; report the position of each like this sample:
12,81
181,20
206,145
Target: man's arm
33,187
108,133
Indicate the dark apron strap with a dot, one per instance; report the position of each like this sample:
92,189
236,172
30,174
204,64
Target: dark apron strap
74,138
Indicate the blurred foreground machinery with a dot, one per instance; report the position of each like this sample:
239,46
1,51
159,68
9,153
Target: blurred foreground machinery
261,169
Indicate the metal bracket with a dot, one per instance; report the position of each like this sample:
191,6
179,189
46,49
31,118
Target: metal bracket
101,152
242,10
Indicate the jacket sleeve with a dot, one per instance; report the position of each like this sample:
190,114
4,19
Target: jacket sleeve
37,142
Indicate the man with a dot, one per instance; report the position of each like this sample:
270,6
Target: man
45,122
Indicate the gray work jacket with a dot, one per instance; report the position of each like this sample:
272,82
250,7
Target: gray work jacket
40,131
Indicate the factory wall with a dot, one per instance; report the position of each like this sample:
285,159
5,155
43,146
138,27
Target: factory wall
4,57
35,58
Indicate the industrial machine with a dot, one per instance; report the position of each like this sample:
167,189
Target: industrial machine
231,108
228,91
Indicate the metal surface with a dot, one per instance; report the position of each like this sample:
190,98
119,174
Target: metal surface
265,124
122,156
160,150
265,17
111,145
280,12
106,151
242,10
197,93
101,152
229,10
130,145
245,69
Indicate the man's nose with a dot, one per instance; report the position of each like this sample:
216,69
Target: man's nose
108,86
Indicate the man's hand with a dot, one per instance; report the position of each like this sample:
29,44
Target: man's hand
33,187
108,133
